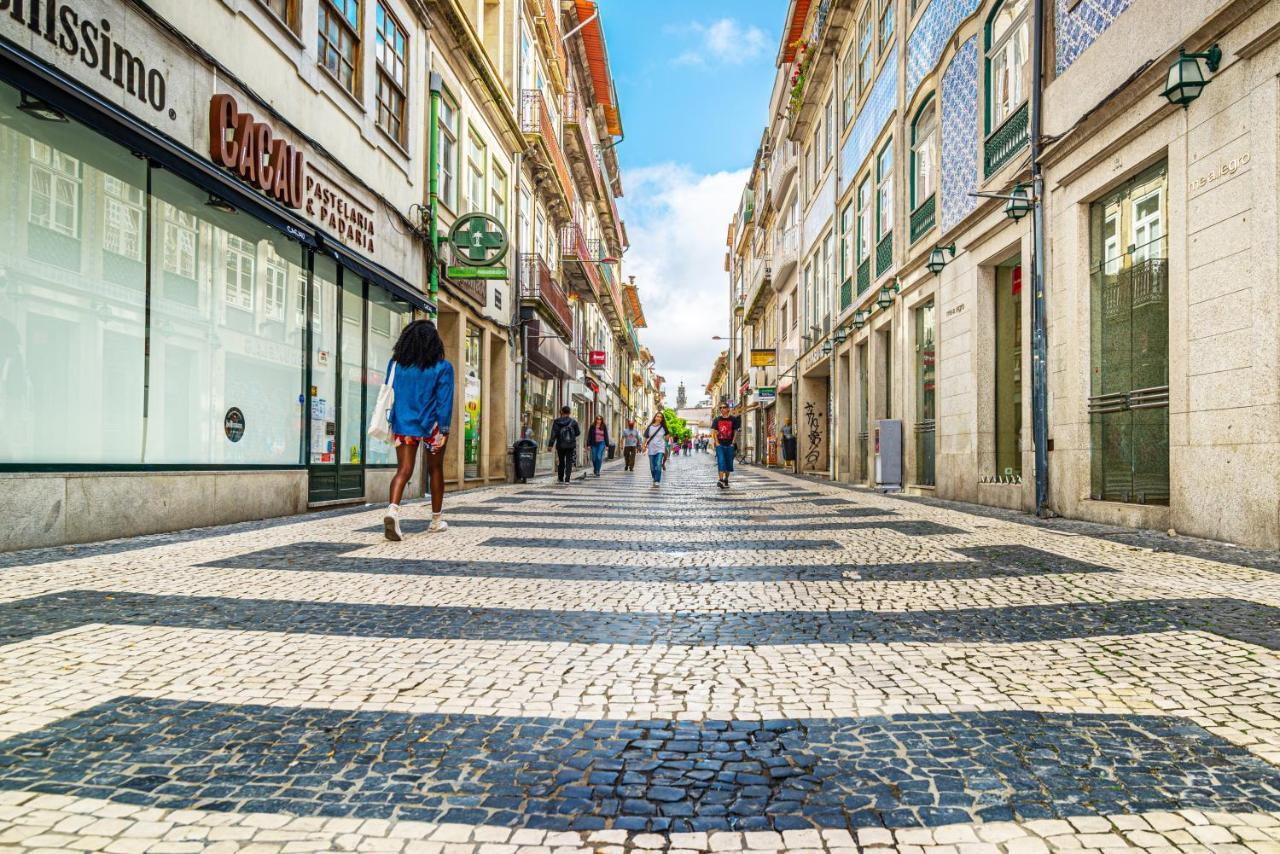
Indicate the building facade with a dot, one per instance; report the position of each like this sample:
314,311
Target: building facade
219,217
913,122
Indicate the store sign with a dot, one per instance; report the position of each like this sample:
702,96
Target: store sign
233,424
766,394
476,272
596,358
764,358
247,147
333,209
479,238
65,27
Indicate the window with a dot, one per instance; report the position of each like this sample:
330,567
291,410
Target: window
924,154
448,122
866,51
285,10
884,190
864,219
815,162
926,393
238,273
810,307
828,284
387,319
339,42
498,195
886,25
476,158
846,225
1008,34
850,67
829,128
1129,319
123,214
1008,371
391,47
55,190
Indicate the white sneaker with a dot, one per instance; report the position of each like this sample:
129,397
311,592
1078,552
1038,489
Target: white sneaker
437,526
391,527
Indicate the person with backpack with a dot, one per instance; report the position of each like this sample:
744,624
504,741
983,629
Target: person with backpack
725,427
655,445
564,439
421,381
598,443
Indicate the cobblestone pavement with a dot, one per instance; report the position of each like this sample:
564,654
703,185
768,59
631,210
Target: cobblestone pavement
605,667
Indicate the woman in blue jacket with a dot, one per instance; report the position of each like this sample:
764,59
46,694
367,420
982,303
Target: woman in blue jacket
420,415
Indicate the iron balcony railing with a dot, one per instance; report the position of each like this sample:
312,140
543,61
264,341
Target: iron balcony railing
864,276
538,285
537,126
846,294
884,255
1007,140
924,217
574,248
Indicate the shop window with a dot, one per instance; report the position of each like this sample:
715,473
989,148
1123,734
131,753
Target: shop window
353,376
884,190
1129,314
924,154
1008,55
339,42
926,393
864,415
866,51
391,49
448,129
71,338
471,400
286,10
1008,371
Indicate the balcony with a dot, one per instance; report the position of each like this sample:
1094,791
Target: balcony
1007,140
539,288
759,274
786,252
924,217
577,141
782,170
579,271
864,276
546,16
846,294
831,19
547,155
884,255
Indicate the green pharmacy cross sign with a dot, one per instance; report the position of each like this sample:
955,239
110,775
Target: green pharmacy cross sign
479,239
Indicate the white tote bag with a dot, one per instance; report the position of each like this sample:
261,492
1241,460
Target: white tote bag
380,420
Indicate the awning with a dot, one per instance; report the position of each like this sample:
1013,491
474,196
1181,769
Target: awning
548,357
794,30
379,275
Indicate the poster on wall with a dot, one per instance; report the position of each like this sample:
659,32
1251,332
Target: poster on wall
471,425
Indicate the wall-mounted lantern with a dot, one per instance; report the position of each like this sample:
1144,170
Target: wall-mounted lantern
937,260
1019,203
1186,80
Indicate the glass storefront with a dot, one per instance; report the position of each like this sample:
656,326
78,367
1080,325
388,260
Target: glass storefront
472,382
926,393
98,242
1008,373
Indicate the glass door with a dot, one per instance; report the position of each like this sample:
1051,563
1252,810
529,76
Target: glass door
335,438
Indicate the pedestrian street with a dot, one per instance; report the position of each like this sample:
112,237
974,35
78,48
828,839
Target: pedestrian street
605,666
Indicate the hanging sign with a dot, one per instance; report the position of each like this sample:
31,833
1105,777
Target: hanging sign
476,272
480,239
596,358
592,384
246,147
764,358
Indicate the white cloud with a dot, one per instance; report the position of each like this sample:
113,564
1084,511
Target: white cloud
724,42
677,221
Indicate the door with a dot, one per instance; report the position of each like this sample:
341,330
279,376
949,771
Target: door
337,389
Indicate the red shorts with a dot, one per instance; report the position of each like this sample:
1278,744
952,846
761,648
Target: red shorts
409,441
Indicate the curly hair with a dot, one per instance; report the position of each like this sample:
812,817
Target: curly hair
419,345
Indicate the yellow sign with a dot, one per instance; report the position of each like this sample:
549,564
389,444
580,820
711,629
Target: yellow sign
764,358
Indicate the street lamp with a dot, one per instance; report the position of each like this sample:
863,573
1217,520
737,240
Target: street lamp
937,260
826,347
841,333
859,319
1186,80
1019,203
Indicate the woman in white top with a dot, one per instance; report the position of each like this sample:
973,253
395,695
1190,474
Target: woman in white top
655,445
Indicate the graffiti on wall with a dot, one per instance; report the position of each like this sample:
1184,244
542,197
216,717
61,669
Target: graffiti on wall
813,427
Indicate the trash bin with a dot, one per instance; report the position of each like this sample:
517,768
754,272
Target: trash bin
612,449
525,452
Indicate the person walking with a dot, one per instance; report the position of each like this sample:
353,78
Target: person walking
788,442
598,443
655,445
725,428
421,381
564,439
630,444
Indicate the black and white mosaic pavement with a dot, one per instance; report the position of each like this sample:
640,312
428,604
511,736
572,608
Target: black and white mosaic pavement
607,667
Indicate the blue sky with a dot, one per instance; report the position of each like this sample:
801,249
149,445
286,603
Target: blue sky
693,81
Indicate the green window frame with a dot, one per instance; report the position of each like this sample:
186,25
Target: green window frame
846,224
927,110
884,189
1020,19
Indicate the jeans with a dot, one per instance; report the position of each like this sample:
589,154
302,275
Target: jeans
597,456
564,463
655,467
724,457
629,459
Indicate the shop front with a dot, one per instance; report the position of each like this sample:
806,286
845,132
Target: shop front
181,343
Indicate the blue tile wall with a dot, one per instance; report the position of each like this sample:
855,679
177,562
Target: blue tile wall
960,134
936,26
1078,28
822,209
871,118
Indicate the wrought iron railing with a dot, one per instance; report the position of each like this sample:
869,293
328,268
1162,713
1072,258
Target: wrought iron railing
924,217
884,254
537,283
1007,140
846,294
864,276
574,247
535,122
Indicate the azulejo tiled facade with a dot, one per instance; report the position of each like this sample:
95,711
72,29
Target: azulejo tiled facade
870,121
1079,23
937,25
960,134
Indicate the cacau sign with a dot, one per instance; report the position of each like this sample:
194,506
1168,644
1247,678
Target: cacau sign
248,148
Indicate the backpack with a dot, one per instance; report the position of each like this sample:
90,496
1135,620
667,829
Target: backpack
564,435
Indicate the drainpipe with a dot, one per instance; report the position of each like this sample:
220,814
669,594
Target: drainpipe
433,181
1039,337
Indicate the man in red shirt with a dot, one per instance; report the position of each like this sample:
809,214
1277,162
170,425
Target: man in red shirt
725,427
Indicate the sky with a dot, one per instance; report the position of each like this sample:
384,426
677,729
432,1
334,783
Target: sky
693,81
